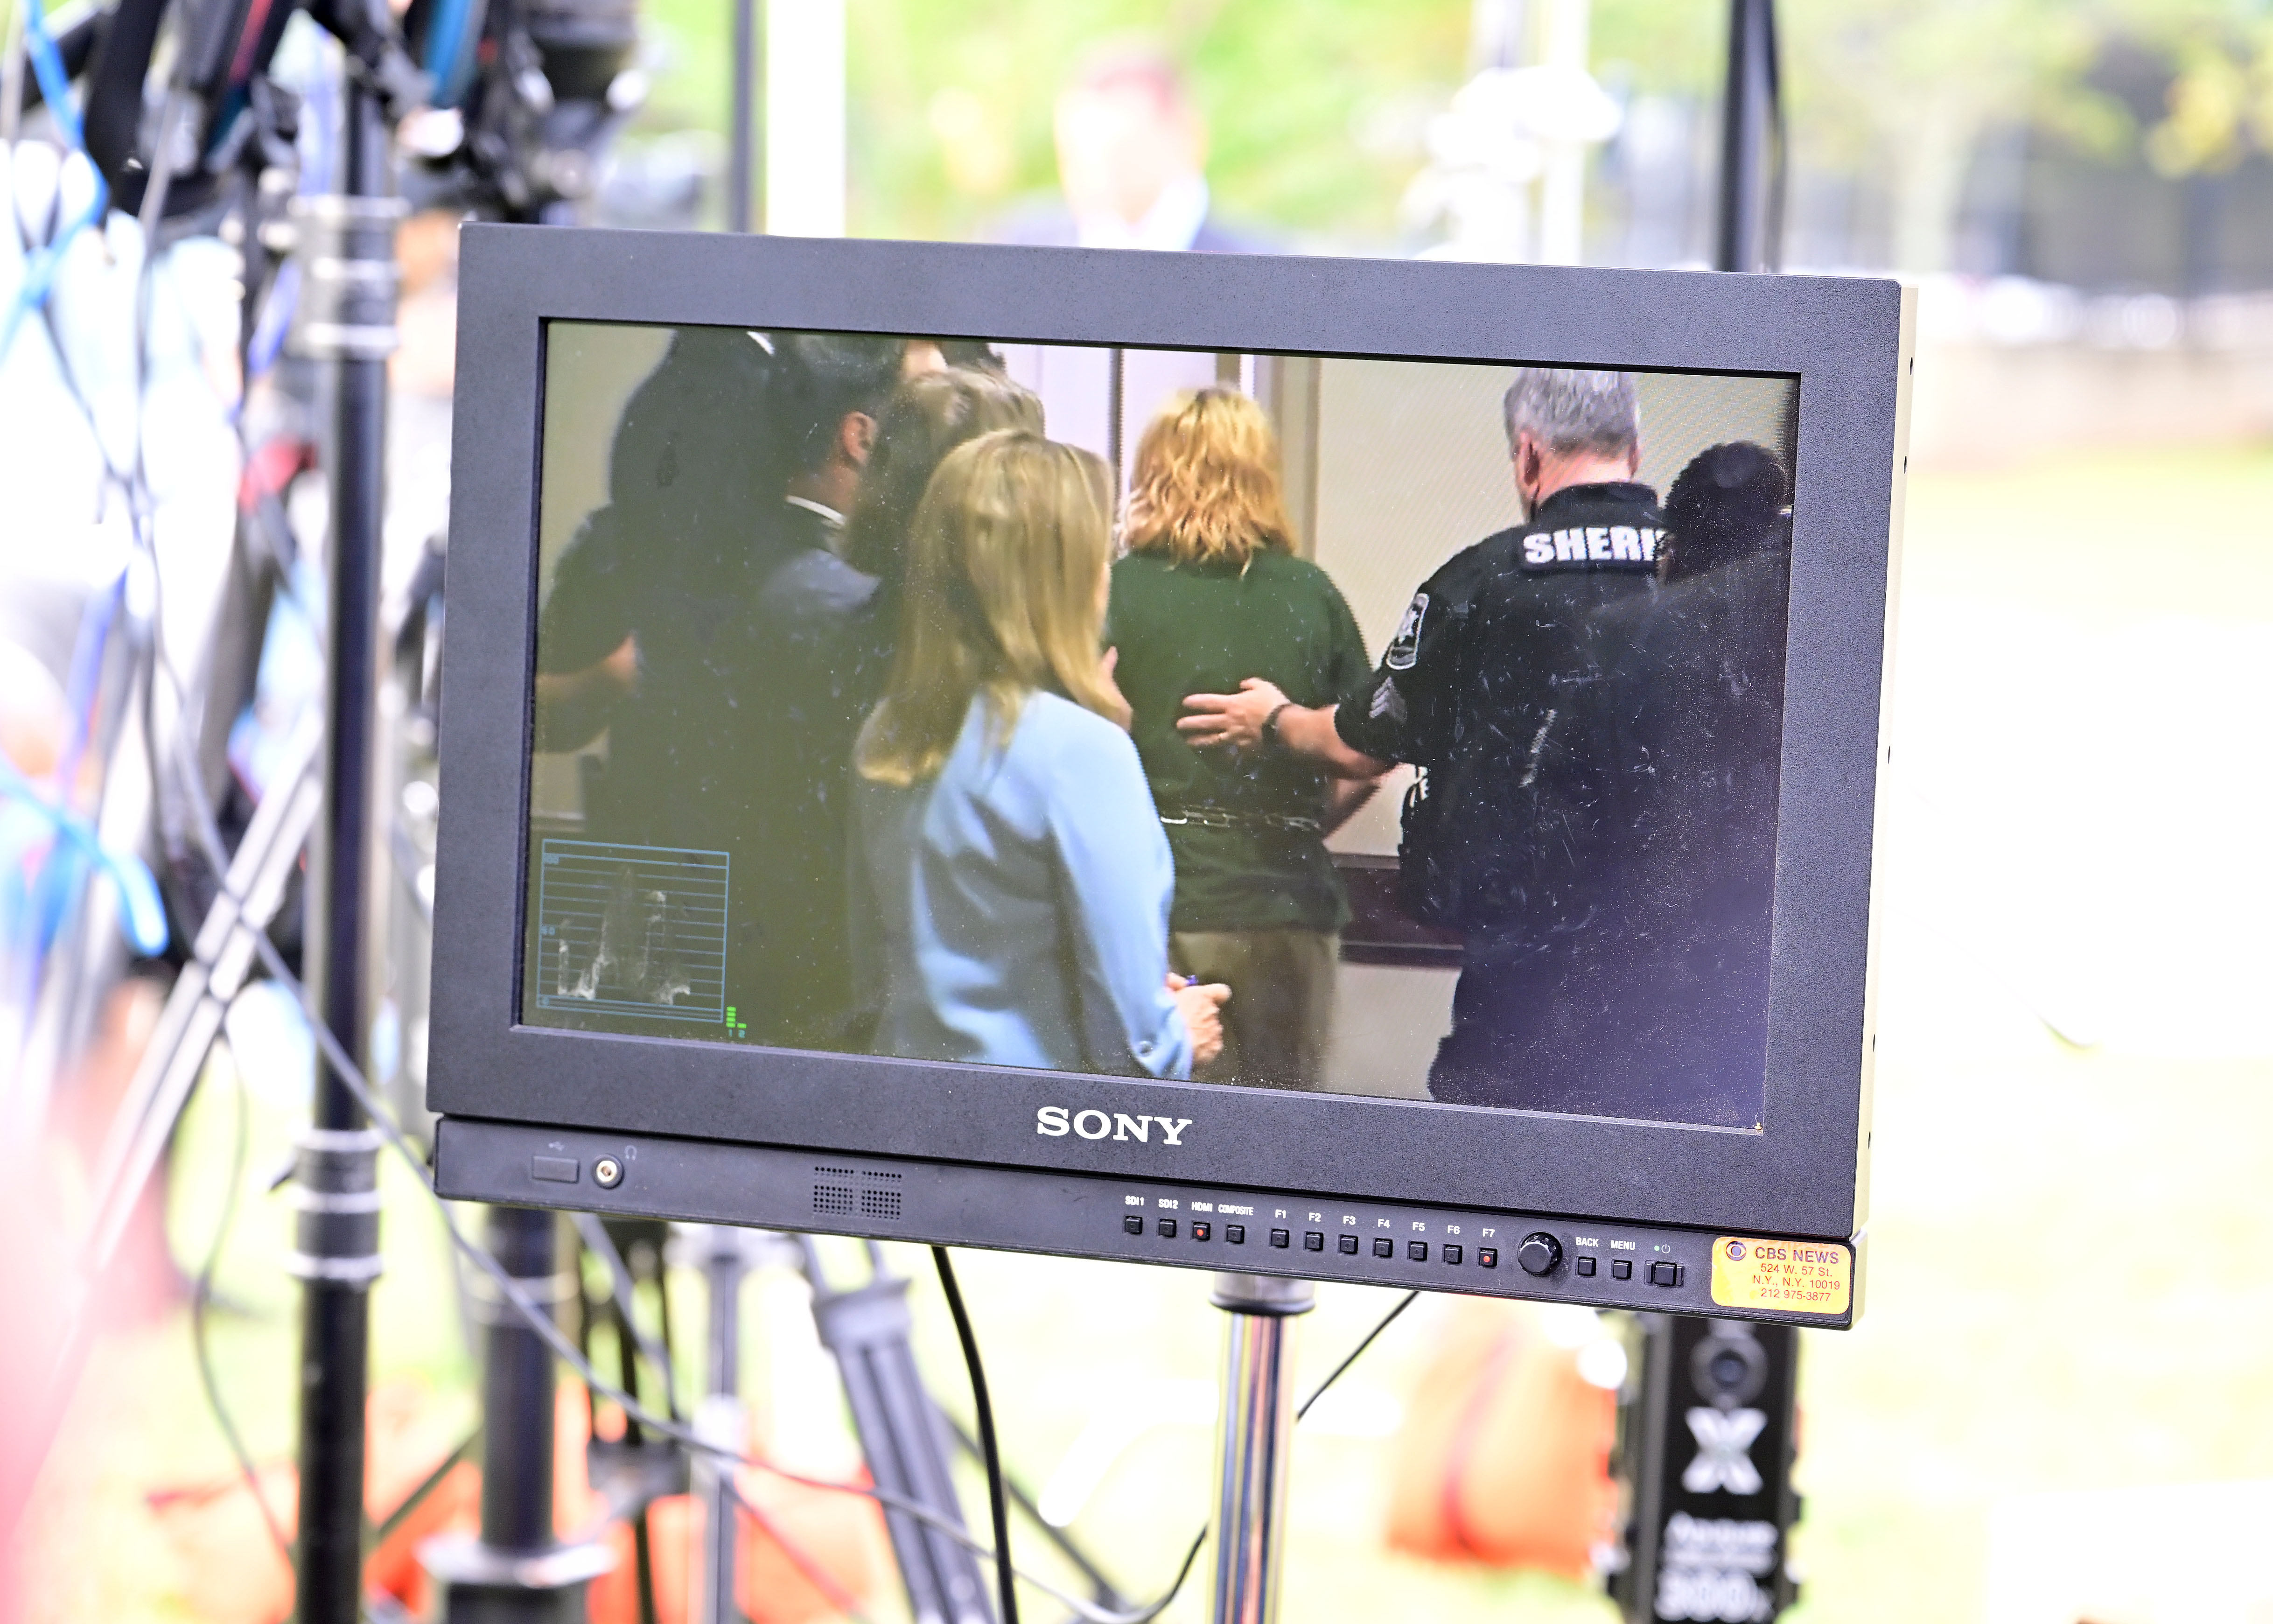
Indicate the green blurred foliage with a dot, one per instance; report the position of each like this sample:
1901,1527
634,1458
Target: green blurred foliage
1317,108
1314,106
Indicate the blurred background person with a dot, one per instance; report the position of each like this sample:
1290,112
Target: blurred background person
1012,881
1211,593
1132,153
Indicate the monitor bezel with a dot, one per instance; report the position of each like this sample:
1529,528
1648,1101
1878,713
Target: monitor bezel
1847,340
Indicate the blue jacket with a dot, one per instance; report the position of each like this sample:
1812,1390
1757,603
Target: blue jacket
1013,910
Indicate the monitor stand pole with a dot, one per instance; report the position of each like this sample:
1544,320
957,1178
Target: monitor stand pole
725,1255
1255,1440
519,1571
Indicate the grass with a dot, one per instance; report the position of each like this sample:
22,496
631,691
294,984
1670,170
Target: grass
2067,1242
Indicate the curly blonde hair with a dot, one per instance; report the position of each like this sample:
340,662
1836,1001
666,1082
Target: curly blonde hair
1205,488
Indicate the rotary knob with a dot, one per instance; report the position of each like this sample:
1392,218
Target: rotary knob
1539,1253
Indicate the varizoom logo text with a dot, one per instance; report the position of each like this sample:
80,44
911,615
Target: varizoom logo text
1056,1121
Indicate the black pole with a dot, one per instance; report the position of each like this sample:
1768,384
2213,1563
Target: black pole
1749,223
742,144
351,269
517,1430
518,1572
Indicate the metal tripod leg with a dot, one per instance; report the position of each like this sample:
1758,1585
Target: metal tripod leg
1257,1428
902,1437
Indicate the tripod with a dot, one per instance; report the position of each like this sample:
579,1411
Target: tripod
905,1438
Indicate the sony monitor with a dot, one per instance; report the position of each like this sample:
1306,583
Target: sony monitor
1359,770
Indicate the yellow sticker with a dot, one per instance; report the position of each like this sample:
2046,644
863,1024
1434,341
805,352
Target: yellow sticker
1792,1277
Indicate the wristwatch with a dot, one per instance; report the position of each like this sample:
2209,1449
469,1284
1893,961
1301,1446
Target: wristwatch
1270,725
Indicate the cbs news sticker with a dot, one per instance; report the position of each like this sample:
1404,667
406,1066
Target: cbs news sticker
1792,1277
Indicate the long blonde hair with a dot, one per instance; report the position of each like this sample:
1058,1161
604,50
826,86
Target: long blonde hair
1004,595
930,414
1206,485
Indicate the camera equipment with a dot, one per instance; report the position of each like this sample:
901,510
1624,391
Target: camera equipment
527,96
1706,1443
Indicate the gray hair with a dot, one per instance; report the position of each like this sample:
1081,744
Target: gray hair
1567,411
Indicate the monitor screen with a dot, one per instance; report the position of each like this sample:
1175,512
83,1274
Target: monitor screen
1382,728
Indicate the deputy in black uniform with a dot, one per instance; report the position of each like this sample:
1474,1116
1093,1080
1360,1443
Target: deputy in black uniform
693,617
1693,696
1490,686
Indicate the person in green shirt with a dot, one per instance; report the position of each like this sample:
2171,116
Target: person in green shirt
1211,594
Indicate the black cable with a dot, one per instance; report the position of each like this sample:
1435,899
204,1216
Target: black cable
201,1295
427,1485
1387,1319
1006,1584
1101,1588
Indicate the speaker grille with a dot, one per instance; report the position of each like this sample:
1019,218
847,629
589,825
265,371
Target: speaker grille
837,1199
880,1204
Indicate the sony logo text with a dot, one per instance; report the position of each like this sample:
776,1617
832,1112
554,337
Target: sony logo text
1056,1121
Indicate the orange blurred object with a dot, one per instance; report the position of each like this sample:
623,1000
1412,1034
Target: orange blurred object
233,1573
840,1535
1503,1456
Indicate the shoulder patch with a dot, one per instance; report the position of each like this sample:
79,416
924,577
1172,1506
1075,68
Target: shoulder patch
1405,647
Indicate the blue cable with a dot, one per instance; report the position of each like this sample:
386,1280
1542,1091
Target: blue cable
40,265
445,46
74,846
141,913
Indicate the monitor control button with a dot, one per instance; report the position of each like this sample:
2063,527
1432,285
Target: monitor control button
1202,1229
1348,1243
1662,1274
1585,1265
1314,1241
1487,1256
1621,1268
1235,1234
1133,1223
1383,1247
1451,1254
1279,1238
1418,1251
1167,1228
1539,1253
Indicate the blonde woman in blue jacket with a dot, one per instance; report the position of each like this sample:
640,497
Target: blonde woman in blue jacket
1016,881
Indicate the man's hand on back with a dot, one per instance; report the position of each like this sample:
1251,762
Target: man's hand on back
1234,719
1237,719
